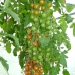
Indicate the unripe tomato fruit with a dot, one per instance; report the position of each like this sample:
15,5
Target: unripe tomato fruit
42,2
36,13
49,4
33,28
32,12
35,19
43,8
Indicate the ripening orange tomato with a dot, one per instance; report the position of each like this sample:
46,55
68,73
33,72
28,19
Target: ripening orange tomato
42,2
36,7
32,5
40,66
36,68
35,44
26,68
41,71
34,62
30,67
36,73
27,73
29,37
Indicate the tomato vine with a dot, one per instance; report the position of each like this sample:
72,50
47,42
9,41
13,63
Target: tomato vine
31,27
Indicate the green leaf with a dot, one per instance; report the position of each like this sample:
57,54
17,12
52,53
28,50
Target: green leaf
21,58
4,63
13,14
27,19
44,41
8,47
56,6
15,39
74,31
6,4
15,51
63,24
46,67
65,72
72,25
69,18
67,44
55,70
70,7
63,60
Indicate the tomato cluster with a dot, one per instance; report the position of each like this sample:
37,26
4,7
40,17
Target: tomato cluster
41,20
33,68
41,26
41,12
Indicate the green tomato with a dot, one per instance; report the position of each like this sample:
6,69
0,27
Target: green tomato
32,17
38,31
47,59
48,49
44,15
34,48
35,19
33,28
34,53
34,58
40,57
49,27
41,20
43,24
48,54
48,22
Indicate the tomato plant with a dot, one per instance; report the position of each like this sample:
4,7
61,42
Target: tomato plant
33,30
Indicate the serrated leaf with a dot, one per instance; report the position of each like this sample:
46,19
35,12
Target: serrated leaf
67,44
4,63
69,18
70,7
63,60
8,47
6,4
46,67
13,14
65,72
55,70
72,25
63,24
74,31
44,41
15,39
